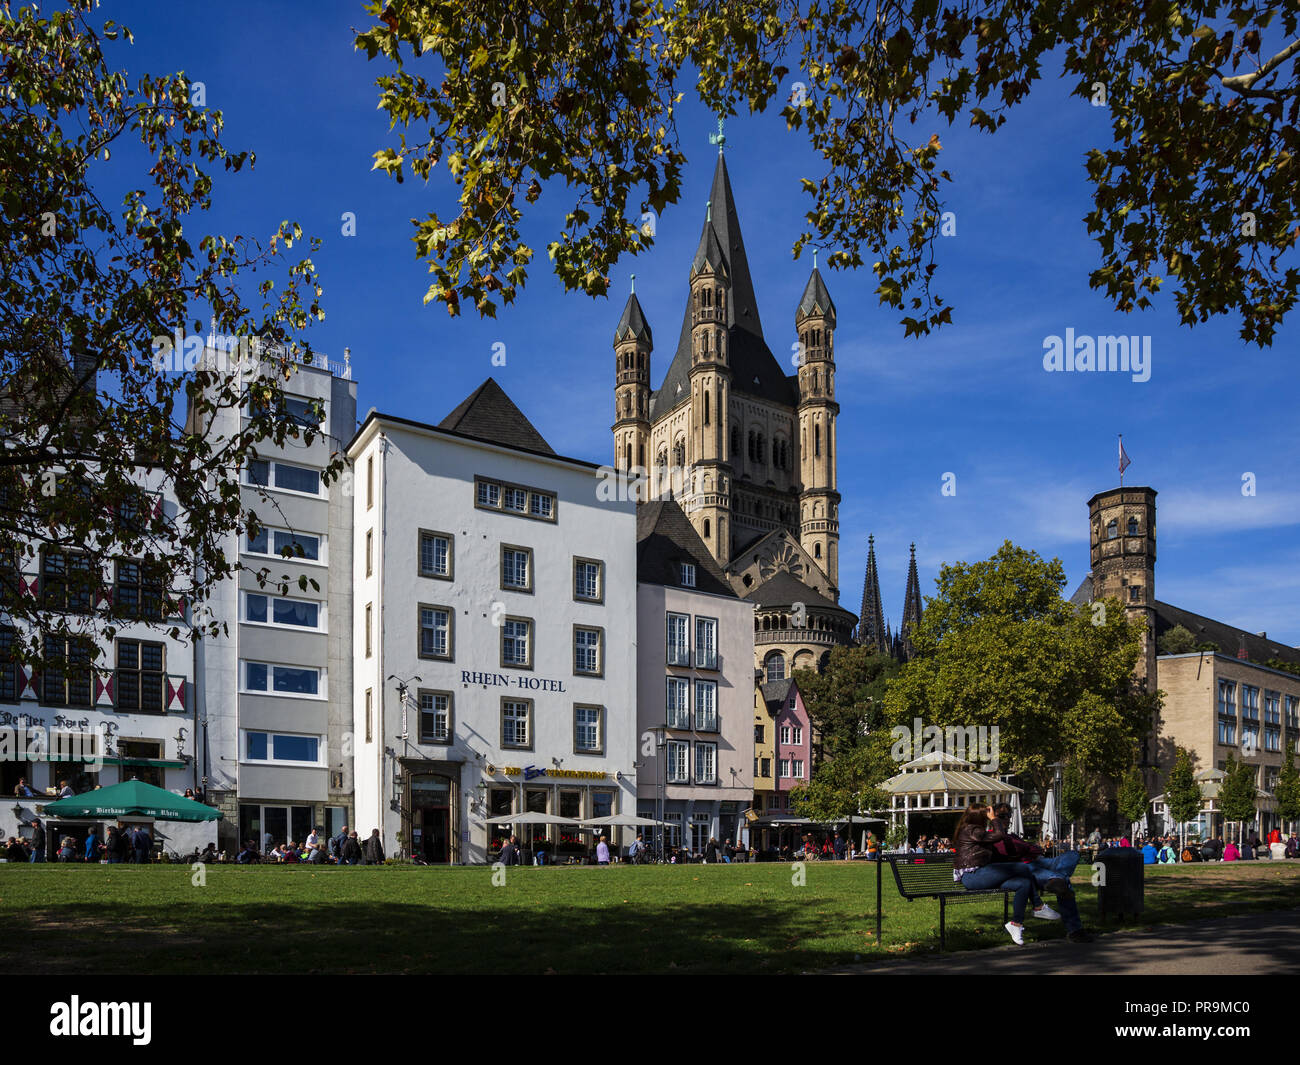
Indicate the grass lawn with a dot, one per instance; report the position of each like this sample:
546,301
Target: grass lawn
703,919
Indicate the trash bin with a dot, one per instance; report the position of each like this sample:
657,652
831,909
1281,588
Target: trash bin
1120,890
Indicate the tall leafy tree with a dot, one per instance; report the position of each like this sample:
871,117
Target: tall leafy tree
1074,795
97,404
1287,791
1182,793
1239,793
1195,186
846,786
1133,799
999,645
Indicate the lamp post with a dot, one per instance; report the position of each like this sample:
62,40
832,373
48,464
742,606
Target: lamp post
661,743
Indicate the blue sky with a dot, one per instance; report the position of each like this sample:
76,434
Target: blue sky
1028,447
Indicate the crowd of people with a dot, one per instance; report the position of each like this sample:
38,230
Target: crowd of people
346,848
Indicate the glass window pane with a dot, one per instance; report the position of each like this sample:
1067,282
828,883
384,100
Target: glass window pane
295,748
296,681
259,472
257,746
296,612
297,478
256,607
255,676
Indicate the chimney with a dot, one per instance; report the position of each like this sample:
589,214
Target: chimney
1241,647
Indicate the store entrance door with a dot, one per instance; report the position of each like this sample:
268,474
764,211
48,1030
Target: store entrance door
431,818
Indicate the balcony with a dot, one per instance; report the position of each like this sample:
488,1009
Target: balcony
819,636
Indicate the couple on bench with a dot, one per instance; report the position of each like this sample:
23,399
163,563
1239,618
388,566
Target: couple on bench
990,856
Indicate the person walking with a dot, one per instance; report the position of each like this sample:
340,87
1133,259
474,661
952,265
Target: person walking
92,845
602,852
510,851
635,851
372,851
143,845
38,842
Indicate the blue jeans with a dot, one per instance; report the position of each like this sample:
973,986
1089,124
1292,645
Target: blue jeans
1062,866
1004,875
38,854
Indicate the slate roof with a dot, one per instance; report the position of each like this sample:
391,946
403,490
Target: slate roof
754,369
633,323
1229,638
816,298
490,415
776,692
1259,649
665,538
784,588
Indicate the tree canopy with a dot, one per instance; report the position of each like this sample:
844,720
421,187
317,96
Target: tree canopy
1238,794
1132,798
1196,186
101,416
1182,793
1287,789
999,645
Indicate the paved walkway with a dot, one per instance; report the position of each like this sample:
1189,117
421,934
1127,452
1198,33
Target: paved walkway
1250,945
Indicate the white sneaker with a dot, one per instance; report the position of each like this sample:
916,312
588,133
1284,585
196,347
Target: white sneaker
1017,933
1047,913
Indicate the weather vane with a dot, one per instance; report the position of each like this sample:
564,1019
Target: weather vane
719,138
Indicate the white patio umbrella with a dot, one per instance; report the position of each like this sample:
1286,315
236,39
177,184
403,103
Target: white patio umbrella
1017,819
623,821
1050,826
1139,827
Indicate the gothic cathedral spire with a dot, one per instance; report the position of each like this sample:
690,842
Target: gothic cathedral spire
911,609
871,622
819,501
633,343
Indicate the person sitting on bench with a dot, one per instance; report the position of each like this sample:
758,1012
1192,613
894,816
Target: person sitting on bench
976,869
1050,874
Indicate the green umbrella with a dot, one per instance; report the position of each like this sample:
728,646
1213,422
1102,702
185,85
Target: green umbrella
133,797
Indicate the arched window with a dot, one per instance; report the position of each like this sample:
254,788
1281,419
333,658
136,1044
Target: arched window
706,408
817,440
774,664
817,550
1132,526
758,448
1112,529
679,452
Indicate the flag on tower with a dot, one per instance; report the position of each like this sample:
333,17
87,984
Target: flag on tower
1123,458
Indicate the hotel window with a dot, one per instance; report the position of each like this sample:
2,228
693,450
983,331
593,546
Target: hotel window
679,653
1249,703
516,724
706,643
706,706
66,679
1227,698
435,631
67,582
796,768
516,642
282,680
785,733
370,716
435,717
370,612
281,542
281,747
265,473
587,647
370,552
706,763
588,730
139,592
678,755
678,712
782,768
688,574
796,735
517,499
9,672
139,677
435,555
587,580
280,610
516,569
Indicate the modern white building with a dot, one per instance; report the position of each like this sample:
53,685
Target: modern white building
695,676
494,636
274,698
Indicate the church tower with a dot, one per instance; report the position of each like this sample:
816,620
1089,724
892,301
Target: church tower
871,621
911,611
633,343
708,492
819,502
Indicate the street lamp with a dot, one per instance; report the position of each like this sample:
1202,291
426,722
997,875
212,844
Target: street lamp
661,742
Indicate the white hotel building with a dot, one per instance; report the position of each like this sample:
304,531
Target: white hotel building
494,634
